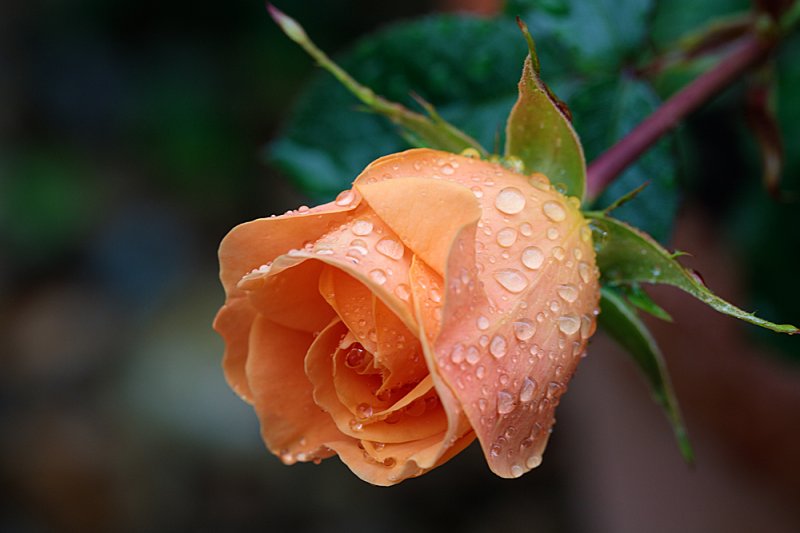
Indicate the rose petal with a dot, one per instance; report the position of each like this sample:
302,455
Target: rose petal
292,425
320,371
352,301
398,351
233,323
422,212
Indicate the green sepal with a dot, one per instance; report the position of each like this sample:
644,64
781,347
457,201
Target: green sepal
539,131
626,256
430,132
640,299
619,319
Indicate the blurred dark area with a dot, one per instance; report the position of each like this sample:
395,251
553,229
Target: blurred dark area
130,141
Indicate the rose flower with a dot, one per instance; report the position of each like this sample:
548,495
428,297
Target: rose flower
442,298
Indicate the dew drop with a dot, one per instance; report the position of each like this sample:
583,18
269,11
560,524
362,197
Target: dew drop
498,346
586,327
569,324
357,246
345,198
586,234
355,425
480,372
477,191
511,279
505,402
362,227
533,461
403,292
517,471
554,211
389,462
552,234
447,169
355,357
526,229
390,248
473,355
458,353
540,181
532,257
510,201
364,410
524,329
528,389
559,253
568,293
506,237
378,276
584,272
482,322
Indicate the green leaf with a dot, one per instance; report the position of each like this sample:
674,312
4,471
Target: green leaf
626,256
540,134
432,131
326,143
620,321
636,296
609,109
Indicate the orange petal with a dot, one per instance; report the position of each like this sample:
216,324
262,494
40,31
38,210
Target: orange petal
320,371
508,350
233,323
352,301
424,213
399,351
292,425
255,243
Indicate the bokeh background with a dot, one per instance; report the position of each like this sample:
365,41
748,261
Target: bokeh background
132,138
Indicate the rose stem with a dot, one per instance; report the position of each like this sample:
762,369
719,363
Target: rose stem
602,171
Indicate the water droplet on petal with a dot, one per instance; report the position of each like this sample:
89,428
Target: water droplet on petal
362,227
480,372
458,353
510,201
403,292
532,257
584,271
498,346
364,410
511,279
345,198
533,461
569,324
552,233
378,276
517,471
482,322
506,237
526,229
586,234
569,293
528,389
554,211
390,248
477,191
447,169
473,355
505,402
524,329
355,357
559,253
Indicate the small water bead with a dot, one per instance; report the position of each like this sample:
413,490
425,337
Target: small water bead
345,198
554,211
483,340
389,462
577,253
517,471
568,292
533,461
587,327
416,408
480,372
403,292
471,153
482,323
435,295
510,201
358,246
554,306
524,329
503,379
477,191
527,390
378,276
552,233
355,357
559,253
540,181
505,402
511,279
355,425
506,237
532,257
584,271
498,346
362,228
447,169
390,248
495,450
458,353
569,323
586,234
473,355
526,229
364,410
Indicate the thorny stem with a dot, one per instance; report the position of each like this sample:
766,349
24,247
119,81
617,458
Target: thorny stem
750,51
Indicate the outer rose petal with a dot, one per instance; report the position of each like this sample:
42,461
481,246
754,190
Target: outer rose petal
521,293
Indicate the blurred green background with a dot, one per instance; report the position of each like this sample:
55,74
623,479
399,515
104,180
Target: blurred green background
134,135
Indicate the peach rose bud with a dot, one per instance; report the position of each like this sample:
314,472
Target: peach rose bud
442,298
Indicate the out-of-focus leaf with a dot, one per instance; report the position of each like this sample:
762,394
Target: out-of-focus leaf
431,131
673,19
592,35
326,143
626,256
540,133
620,321
763,123
604,112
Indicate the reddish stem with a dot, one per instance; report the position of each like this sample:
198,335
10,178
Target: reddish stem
751,50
